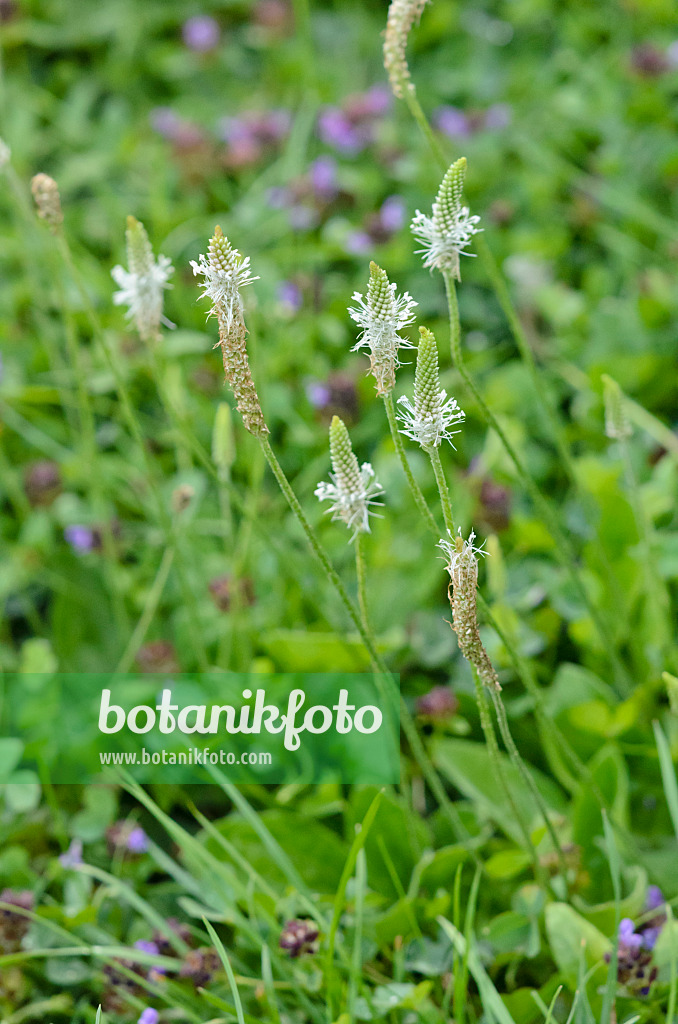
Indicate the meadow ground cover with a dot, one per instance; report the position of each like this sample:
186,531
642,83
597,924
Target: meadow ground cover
480,249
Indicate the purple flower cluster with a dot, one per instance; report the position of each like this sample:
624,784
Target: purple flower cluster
299,936
457,124
252,134
197,965
308,198
335,396
124,837
635,969
351,127
439,703
201,33
378,228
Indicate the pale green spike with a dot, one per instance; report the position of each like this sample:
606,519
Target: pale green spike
344,463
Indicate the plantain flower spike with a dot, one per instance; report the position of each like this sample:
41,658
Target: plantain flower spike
617,426
142,286
353,488
47,200
382,315
402,16
462,565
225,272
447,233
433,417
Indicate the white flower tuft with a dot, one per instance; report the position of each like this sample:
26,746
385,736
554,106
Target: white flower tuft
460,553
446,235
225,272
352,488
142,286
431,428
381,316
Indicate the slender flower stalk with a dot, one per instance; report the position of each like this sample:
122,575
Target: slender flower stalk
353,488
225,272
563,548
430,419
382,315
447,233
462,556
143,284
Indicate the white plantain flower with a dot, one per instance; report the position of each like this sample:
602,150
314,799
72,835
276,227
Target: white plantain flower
462,565
617,426
382,315
429,420
448,232
142,286
353,488
225,272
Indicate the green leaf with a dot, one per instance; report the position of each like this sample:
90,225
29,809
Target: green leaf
468,766
569,934
11,750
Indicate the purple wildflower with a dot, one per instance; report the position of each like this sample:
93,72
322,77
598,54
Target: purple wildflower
368,105
80,538
323,177
137,840
72,858
145,946
318,394
452,121
358,243
200,33
148,1016
628,939
634,960
655,898
392,214
439,703
299,936
337,130
290,296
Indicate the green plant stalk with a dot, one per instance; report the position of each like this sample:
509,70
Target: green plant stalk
408,726
415,490
502,293
563,548
522,669
657,597
361,573
517,760
150,608
443,490
493,750
128,410
416,110
87,424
